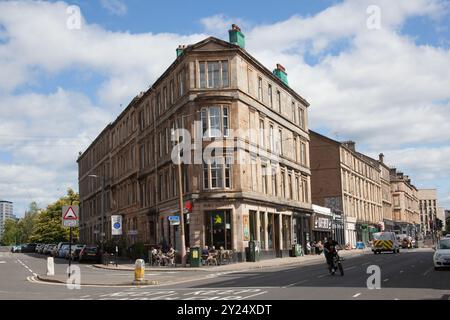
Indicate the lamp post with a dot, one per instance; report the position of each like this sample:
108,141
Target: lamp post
180,198
102,234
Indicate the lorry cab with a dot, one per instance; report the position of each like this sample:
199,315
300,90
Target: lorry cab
385,241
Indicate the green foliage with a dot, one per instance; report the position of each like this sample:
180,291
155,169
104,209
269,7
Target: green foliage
11,233
41,226
48,227
138,251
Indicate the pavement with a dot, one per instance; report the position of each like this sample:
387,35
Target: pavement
409,275
267,263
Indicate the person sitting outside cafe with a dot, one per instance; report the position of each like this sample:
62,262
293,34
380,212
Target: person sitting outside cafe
205,254
170,256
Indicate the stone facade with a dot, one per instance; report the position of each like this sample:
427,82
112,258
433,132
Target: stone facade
346,181
405,203
256,195
428,209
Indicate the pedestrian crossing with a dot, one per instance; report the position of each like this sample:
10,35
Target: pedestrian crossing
179,294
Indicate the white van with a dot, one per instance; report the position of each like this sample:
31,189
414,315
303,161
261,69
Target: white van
385,241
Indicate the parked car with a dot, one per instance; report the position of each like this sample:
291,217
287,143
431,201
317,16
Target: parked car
62,250
48,249
55,251
16,249
90,253
29,247
76,249
38,247
41,249
441,257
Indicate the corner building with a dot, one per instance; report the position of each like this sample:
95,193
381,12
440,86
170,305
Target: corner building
259,191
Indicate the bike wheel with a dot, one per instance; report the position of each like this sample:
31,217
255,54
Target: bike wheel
341,269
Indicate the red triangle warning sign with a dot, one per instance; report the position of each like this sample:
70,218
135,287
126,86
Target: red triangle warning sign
70,215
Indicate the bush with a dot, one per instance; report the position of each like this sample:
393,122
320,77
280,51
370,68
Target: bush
137,251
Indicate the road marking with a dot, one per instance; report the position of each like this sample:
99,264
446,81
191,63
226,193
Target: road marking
2,262
253,295
385,280
357,295
426,272
350,268
401,271
366,263
293,284
324,275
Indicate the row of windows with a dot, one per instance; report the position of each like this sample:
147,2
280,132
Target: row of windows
217,175
296,111
279,182
362,209
359,166
360,187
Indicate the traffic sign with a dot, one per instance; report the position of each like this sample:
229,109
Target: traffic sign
174,220
70,216
116,225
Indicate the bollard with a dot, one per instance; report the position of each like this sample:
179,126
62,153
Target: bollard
139,270
50,266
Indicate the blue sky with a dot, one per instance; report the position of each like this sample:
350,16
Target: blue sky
387,88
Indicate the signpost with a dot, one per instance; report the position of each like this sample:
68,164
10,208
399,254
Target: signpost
116,225
174,220
70,219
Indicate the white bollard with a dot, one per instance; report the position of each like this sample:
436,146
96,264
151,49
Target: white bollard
50,266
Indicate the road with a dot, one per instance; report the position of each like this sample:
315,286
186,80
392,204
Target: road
406,276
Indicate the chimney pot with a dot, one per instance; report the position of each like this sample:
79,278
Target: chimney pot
235,27
280,67
381,157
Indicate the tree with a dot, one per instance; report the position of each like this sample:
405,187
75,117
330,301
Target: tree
27,223
11,233
447,224
48,227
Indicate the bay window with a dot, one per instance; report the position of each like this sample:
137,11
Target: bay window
217,175
215,121
214,74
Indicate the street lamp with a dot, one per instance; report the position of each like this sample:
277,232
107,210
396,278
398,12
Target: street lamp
102,207
180,198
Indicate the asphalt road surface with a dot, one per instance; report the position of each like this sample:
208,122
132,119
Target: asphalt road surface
405,276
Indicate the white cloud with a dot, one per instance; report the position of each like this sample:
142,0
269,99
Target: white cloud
115,7
377,87
219,24
116,55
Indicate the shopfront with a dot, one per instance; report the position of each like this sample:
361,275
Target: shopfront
350,231
337,228
322,223
302,229
388,225
362,232
218,229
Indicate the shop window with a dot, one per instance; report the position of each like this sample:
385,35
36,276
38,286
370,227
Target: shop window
218,229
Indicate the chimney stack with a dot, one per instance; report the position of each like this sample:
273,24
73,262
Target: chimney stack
236,36
381,158
180,50
350,145
280,73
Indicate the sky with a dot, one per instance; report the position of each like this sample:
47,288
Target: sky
376,72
